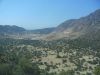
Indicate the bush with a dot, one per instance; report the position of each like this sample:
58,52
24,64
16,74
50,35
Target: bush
97,70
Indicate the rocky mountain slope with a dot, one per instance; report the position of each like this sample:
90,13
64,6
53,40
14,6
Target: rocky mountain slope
88,25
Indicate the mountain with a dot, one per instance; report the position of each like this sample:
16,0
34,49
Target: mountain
84,27
74,28
43,31
7,29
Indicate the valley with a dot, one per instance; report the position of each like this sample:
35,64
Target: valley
72,48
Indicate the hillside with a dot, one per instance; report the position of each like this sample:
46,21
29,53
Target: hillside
7,29
43,31
75,28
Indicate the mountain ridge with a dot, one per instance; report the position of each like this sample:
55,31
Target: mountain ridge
87,27
75,28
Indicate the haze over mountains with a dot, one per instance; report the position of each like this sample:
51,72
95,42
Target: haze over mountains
88,26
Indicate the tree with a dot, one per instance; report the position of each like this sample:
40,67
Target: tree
5,69
69,72
97,70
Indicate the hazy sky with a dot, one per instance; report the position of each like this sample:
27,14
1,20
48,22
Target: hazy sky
33,14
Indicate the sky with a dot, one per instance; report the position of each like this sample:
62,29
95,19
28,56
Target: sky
37,14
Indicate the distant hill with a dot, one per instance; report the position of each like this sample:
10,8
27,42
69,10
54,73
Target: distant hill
7,29
43,31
